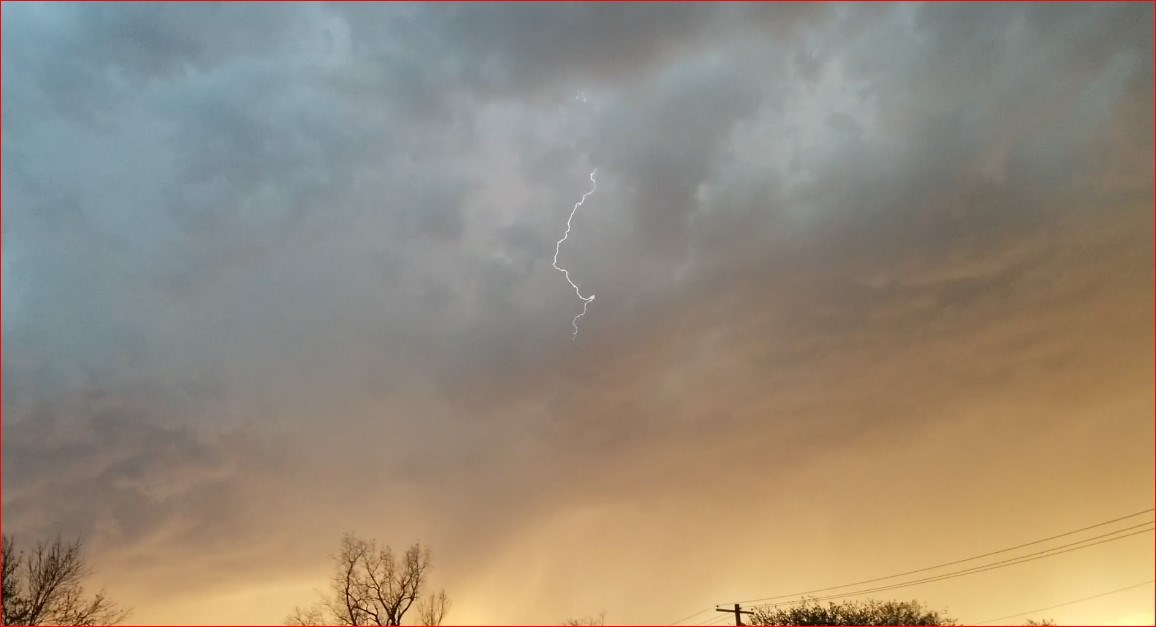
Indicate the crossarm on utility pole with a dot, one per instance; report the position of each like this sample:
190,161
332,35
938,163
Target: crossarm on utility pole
738,612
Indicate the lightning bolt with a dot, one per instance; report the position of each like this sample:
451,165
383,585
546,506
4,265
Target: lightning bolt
586,300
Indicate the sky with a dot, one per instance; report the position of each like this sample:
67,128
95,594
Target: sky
874,291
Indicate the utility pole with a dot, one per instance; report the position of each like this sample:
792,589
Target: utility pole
738,611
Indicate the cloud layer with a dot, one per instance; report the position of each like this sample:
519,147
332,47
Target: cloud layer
271,273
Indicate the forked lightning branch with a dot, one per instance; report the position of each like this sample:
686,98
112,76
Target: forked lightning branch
586,300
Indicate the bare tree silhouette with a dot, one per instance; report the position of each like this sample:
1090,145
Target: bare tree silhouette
372,587
433,609
587,621
44,587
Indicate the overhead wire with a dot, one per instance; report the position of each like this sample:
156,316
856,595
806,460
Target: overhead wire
983,567
717,620
691,616
1052,607
952,563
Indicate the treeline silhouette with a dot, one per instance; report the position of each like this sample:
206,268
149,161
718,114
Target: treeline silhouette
370,586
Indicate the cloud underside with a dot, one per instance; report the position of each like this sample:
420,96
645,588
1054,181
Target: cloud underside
275,272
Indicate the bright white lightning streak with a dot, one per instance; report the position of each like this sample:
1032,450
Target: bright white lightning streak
586,300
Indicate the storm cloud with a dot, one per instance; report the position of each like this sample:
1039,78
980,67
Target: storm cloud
275,272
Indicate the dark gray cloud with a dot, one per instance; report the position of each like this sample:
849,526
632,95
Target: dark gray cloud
276,272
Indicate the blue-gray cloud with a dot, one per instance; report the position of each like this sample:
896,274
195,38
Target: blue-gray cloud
244,244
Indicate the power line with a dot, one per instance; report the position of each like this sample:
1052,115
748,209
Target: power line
692,615
968,559
982,568
716,620
1052,607
1031,557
